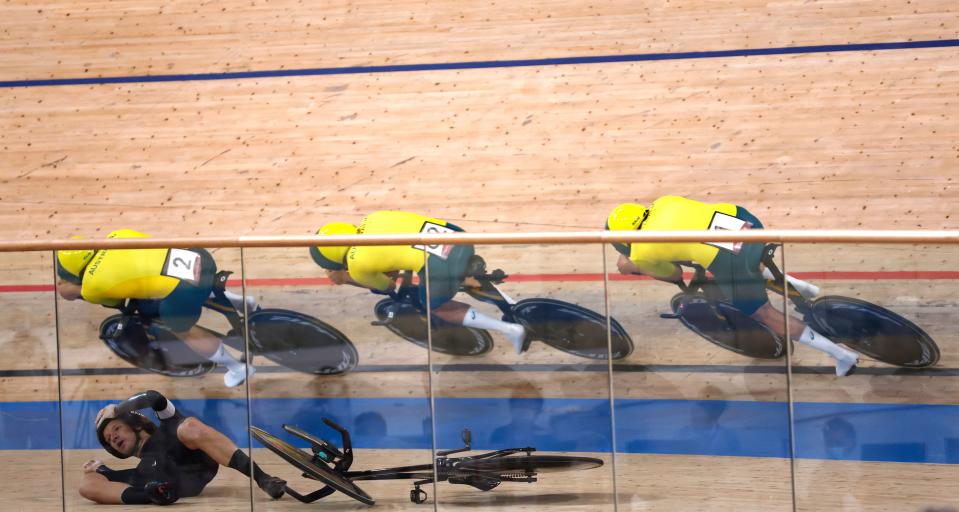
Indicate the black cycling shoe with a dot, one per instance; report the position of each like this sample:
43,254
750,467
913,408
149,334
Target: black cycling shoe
274,486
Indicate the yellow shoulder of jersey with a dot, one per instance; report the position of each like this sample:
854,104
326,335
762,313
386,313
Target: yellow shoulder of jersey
126,233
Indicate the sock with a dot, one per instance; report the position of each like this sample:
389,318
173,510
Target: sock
241,462
476,319
221,356
819,342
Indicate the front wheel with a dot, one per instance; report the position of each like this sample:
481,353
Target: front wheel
572,329
728,327
301,342
166,354
306,463
874,331
410,324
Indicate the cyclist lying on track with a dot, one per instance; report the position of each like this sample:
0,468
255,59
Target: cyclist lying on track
735,266
168,286
177,459
376,267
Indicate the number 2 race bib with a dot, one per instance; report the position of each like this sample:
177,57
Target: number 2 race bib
183,265
723,222
440,251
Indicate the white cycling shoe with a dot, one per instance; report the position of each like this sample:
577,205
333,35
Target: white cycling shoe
235,376
517,336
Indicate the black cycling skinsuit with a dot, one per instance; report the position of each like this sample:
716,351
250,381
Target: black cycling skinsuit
163,457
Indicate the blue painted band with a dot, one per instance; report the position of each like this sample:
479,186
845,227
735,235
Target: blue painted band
870,432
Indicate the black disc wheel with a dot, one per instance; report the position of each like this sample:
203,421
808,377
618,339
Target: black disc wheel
874,331
572,329
304,463
528,464
721,323
410,324
301,342
166,354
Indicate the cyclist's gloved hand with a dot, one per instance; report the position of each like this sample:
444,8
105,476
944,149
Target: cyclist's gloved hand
161,493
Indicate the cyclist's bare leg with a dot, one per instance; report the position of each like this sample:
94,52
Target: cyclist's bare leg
210,347
98,489
462,314
200,341
196,435
452,312
805,288
799,331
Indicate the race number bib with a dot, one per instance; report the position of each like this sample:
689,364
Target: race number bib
183,265
440,251
723,222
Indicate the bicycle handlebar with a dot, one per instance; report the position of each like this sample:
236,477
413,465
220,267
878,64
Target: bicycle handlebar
343,432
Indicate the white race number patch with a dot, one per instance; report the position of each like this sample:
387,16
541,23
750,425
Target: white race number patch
723,222
440,251
183,265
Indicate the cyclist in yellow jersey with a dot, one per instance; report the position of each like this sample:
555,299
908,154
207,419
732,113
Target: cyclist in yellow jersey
167,285
735,266
376,267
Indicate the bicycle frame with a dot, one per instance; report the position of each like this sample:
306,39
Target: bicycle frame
779,284
219,302
443,469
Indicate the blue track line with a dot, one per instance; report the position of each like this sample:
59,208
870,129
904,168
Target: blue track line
564,61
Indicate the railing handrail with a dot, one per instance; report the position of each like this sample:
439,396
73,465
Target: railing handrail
536,238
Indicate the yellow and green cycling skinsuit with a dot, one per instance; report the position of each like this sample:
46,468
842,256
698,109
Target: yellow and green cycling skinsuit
368,265
735,266
146,275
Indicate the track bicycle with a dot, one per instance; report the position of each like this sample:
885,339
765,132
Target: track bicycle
331,466
288,338
562,325
870,329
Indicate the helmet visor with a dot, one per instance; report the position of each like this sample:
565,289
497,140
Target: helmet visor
325,262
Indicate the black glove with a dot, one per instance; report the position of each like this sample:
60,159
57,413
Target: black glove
161,493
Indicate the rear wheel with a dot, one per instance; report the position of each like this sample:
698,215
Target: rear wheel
305,463
166,354
874,331
572,329
528,465
301,342
721,323
410,324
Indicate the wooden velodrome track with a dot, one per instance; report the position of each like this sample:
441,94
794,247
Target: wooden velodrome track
858,137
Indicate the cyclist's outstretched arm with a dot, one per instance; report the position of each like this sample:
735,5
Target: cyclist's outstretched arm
628,267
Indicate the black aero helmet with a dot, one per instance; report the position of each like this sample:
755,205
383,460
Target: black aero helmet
135,420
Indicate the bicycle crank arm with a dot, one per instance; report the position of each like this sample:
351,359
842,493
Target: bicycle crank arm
670,316
389,319
311,497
